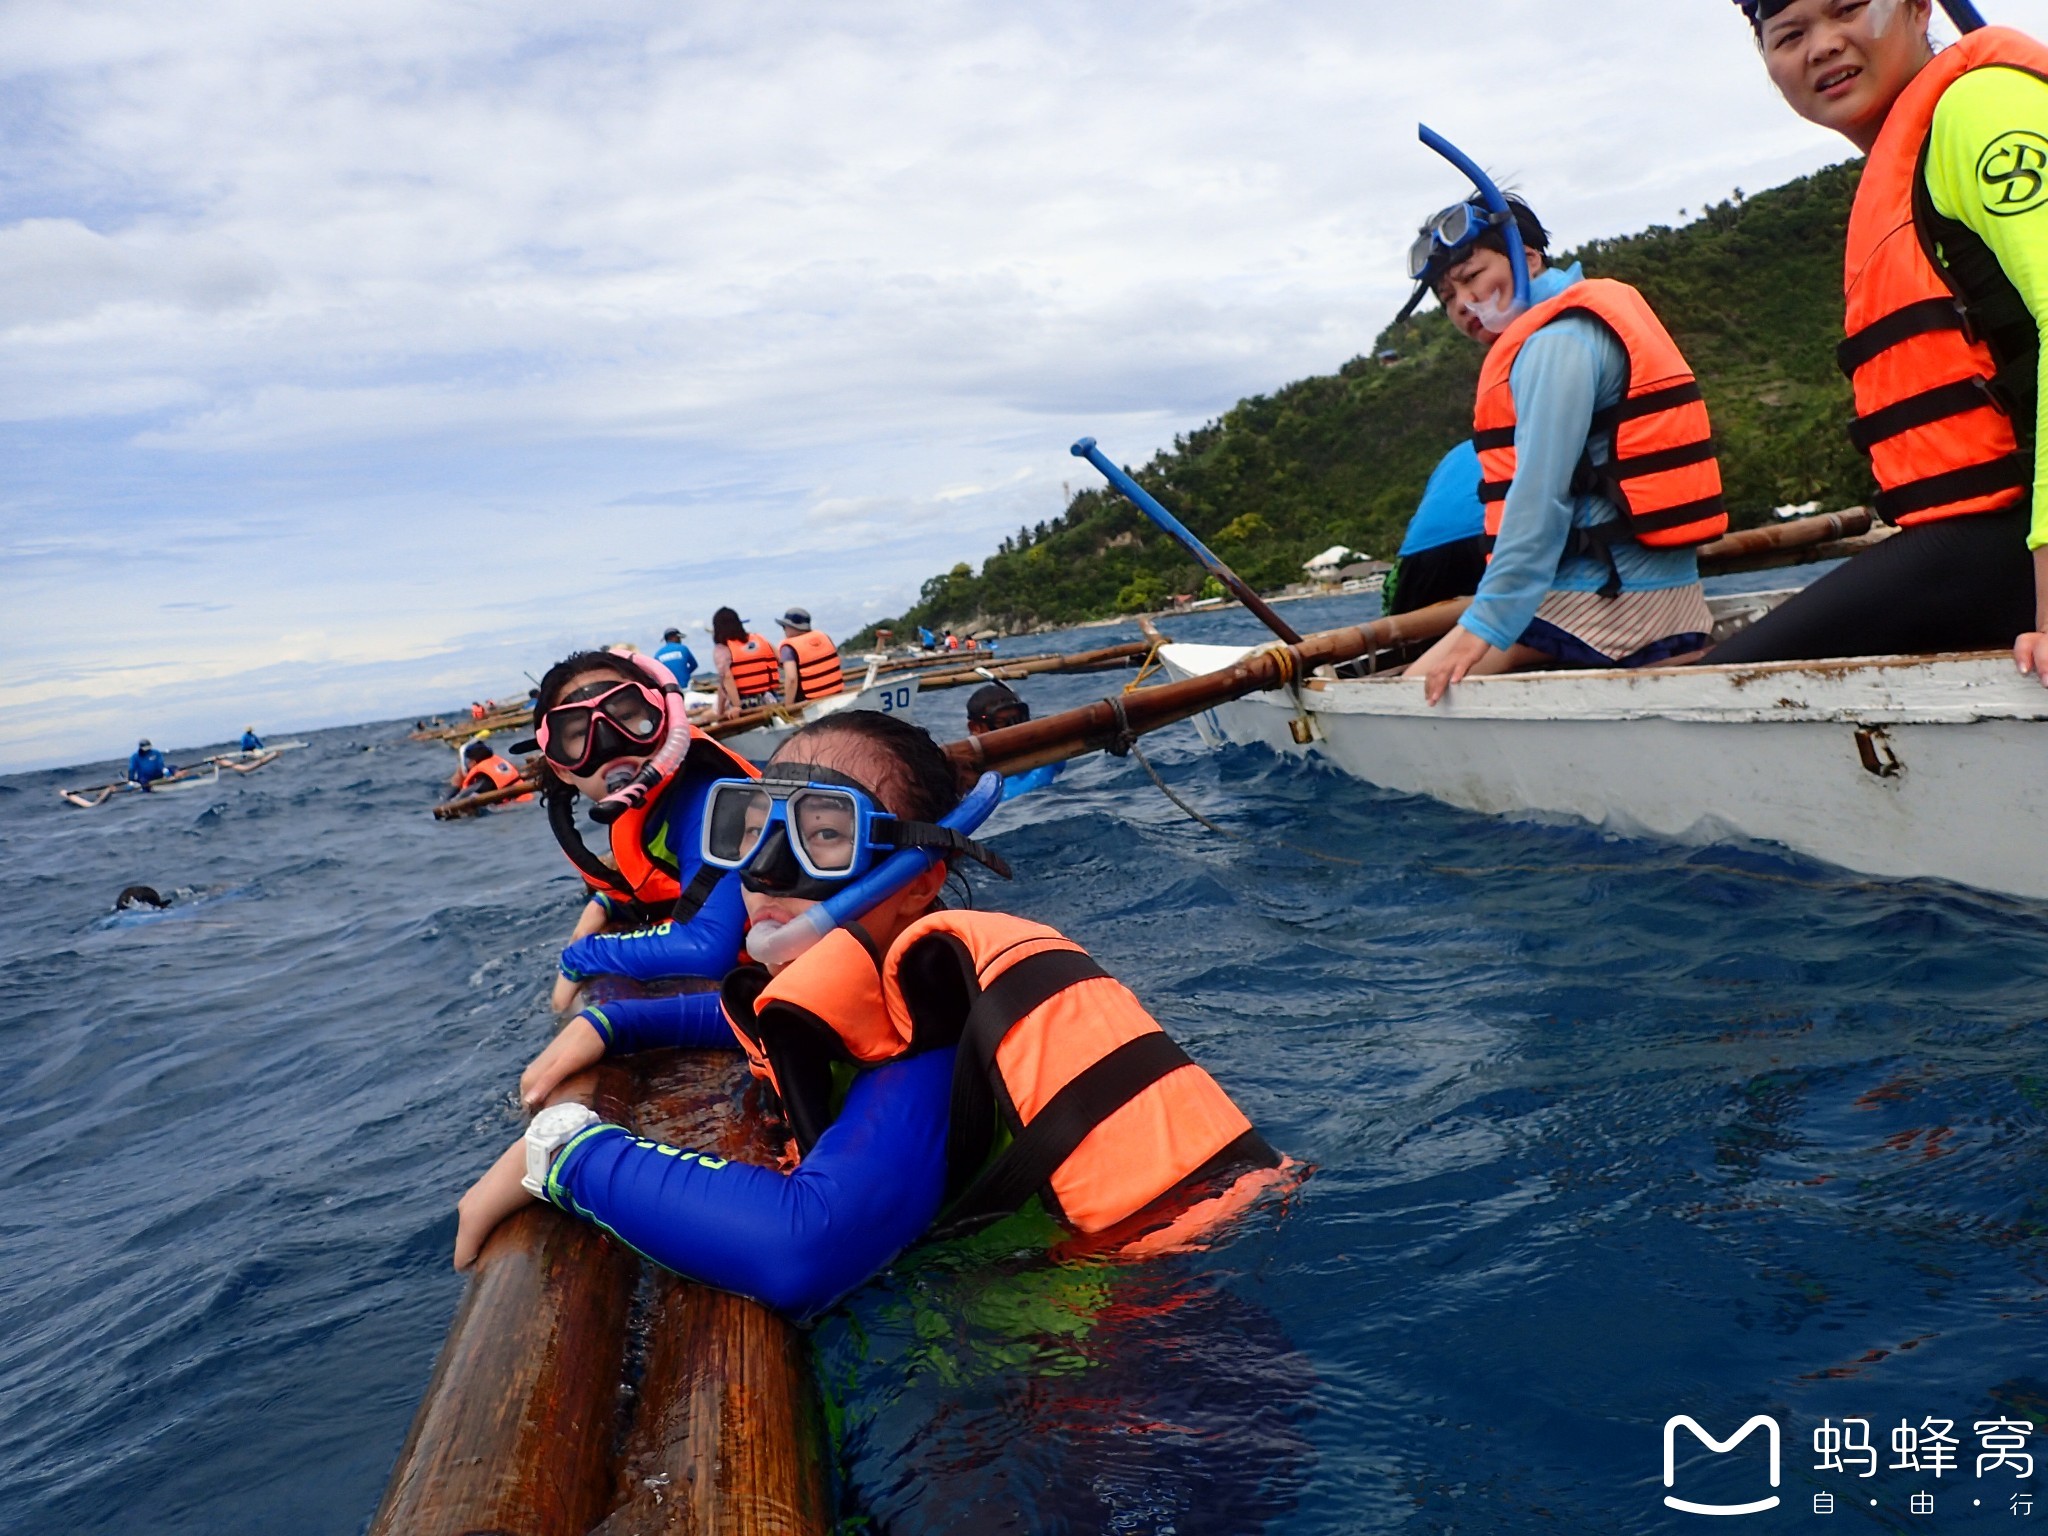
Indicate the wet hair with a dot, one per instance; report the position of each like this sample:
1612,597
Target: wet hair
556,682
726,627
476,751
991,699
925,781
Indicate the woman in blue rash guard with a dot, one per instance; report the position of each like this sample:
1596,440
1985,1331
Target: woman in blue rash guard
854,1025
605,721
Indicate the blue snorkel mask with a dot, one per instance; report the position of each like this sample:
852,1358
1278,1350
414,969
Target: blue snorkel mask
1460,225
806,832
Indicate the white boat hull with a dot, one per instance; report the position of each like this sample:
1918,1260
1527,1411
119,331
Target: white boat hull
1895,766
893,696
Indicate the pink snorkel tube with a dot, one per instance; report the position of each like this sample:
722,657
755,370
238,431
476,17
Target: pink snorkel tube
667,757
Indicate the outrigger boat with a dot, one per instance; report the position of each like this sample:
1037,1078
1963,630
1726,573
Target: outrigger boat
1904,766
756,733
198,775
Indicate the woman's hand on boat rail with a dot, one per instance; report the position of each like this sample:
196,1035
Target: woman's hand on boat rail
577,1047
487,1202
2030,650
1448,661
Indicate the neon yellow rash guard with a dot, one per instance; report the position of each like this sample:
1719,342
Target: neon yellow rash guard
1999,191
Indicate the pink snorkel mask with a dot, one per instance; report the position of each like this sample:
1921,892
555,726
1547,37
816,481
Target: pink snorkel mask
667,757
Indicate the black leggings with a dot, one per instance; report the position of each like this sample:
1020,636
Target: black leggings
1431,575
1960,584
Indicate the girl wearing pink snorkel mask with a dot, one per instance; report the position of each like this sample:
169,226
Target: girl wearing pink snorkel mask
612,730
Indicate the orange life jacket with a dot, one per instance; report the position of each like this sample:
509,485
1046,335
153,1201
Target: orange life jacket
650,875
1063,1086
494,773
1661,470
755,667
819,671
1940,361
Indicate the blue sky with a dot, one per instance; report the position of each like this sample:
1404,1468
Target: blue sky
360,359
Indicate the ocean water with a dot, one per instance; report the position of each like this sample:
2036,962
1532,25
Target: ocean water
1599,1131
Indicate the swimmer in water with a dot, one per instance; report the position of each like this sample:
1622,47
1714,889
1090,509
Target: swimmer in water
611,729
867,991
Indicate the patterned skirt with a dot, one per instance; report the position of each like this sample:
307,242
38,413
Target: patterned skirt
1635,629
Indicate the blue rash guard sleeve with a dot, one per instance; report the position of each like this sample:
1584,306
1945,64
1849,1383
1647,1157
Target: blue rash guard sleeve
1016,784
707,945
693,1021
798,1241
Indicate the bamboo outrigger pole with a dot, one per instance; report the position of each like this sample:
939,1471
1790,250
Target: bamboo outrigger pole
1110,724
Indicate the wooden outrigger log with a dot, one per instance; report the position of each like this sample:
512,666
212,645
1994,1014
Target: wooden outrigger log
484,799
517,1433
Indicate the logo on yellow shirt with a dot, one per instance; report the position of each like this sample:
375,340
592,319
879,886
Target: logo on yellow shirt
2012,173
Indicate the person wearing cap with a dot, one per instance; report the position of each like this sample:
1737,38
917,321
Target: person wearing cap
745,663
676,656
251,742
994,707
811,668
146,765
1581,574
1946,282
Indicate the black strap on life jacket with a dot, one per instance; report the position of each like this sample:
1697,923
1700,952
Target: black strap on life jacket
1923,409
696,893
1920,318
1026,1166
2010,471
561,802
800,1046
1028,1163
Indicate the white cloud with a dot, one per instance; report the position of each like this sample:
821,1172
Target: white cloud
437,327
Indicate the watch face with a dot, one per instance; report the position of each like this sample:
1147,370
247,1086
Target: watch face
560,1120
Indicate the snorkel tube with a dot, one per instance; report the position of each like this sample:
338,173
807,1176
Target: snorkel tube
1965,15
667,757
779,943
1495,203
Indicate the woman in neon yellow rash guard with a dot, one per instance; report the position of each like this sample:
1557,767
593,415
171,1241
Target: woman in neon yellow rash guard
1946,281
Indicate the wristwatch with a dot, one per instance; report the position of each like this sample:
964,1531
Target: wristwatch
551,1130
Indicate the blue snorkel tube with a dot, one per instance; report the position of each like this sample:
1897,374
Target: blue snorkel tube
1495,203
1965,15
779,943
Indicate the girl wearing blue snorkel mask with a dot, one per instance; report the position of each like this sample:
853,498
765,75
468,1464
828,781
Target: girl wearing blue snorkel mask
933,1068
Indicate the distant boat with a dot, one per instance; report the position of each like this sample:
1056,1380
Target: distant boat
207,772
756,733
1890,765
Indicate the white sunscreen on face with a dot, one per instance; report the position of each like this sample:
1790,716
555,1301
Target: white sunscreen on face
1881,13
1493,312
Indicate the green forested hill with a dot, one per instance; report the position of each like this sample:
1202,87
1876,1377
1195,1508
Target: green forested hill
1752,291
